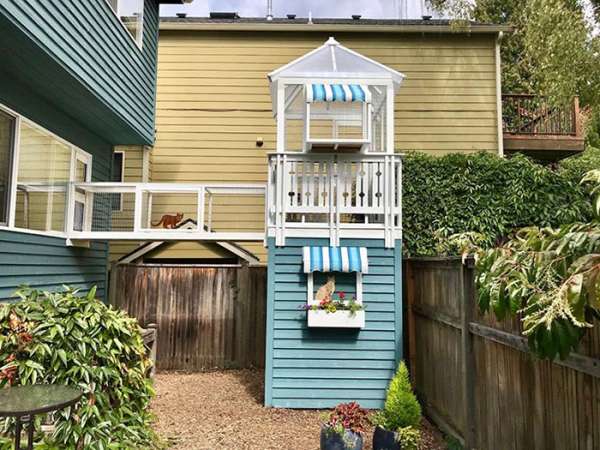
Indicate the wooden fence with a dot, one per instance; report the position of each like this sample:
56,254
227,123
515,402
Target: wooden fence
206,317
477,379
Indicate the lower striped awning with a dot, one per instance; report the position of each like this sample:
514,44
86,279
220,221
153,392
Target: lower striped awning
335,259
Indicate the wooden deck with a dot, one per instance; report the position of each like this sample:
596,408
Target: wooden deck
533,127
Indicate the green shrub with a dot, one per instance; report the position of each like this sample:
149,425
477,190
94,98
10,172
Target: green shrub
68,338
575,167
409,438
401,407
485,194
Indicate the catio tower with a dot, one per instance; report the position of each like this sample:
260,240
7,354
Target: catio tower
333,219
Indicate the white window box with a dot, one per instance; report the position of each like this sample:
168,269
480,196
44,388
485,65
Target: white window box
339,319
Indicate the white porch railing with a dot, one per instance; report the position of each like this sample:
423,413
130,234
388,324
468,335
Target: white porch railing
133,211
335,196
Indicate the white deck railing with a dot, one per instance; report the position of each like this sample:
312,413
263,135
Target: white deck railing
131,211
336,196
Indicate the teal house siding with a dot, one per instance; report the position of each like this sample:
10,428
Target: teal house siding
71,67
44,262
78,55
319,368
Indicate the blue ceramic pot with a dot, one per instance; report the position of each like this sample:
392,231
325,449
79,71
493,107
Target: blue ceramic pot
330,440
385,440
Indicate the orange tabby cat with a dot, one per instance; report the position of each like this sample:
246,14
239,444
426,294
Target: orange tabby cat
169,221
326,291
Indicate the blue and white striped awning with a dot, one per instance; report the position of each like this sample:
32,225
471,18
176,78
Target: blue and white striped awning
337,93
335,259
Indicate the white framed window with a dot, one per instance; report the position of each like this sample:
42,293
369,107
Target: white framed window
40,169
8,127
81,172
117,176
332,123
131,14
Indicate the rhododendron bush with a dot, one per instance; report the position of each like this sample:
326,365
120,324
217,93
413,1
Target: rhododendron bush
75,339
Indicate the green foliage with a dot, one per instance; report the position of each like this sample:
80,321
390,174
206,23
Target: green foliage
401,407
482,194
409,438
74,339
549,276
575,167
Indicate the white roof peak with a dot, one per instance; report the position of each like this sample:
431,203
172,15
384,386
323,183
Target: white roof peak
332,60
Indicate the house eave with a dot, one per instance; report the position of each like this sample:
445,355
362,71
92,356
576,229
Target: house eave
316,27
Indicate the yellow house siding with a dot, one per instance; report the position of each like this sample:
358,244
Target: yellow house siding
213,102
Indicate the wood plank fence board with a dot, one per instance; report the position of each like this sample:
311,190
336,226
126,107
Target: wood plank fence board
206,317
517,401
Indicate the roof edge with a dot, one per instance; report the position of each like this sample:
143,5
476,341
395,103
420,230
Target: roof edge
320,27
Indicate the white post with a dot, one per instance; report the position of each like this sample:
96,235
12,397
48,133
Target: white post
280,117
200,212
331,204
148,211
210,207
386,200
14,175
137,211
70,212
389,117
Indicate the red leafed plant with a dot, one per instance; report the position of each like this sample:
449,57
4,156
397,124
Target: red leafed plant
348,416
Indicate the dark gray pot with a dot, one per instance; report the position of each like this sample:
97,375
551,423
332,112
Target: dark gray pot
333,441
385,440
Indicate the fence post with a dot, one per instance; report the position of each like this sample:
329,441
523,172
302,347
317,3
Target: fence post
112,286
410,299
468,359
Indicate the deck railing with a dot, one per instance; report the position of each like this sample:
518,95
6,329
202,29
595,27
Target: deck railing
525,114
133,211
335,196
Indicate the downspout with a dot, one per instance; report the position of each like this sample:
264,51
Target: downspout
499,95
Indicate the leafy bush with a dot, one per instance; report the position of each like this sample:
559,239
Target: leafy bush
575,167
73,339
409,438
401,407
347,416
484,194
551,277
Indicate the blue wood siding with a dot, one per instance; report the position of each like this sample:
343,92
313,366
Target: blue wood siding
79,56
319,368
46,263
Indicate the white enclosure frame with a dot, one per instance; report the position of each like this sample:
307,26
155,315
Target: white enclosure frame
144,231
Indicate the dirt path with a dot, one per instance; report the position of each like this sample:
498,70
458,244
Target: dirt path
223,410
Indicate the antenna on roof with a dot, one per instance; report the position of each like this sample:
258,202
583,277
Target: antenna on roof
269,9
310,16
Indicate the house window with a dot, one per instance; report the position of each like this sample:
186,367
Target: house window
7,133
118,174
338,117
131,15
35,177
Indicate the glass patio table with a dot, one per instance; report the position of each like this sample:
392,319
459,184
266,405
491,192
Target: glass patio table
24,402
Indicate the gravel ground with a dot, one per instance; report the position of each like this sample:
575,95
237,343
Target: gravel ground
223,410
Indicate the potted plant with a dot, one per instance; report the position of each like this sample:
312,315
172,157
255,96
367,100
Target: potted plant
397,425
335,313
344,427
